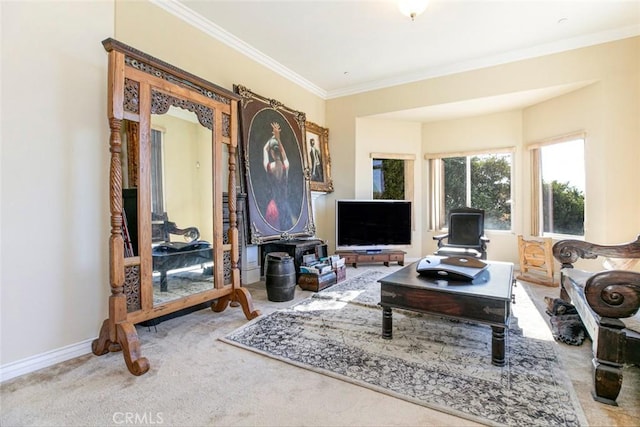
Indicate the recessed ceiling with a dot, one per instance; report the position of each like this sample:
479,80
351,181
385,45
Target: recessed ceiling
478,106
337,48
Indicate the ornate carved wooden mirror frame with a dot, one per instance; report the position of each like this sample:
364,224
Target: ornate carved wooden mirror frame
139,85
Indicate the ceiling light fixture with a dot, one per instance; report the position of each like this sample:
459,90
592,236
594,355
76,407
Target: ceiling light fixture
412,8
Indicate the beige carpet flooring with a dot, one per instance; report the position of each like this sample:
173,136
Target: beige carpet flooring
197,380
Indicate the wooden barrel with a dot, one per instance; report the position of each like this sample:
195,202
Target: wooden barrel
280,277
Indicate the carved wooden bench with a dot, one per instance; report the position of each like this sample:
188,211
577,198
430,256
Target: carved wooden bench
168,255
608,303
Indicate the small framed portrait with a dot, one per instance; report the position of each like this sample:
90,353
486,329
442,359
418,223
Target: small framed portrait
278,194
318,159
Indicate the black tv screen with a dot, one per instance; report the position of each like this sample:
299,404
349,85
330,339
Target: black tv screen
372,224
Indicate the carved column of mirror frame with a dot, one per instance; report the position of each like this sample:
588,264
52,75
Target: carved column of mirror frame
139,84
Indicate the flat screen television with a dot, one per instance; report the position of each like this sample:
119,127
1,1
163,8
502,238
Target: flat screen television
372,225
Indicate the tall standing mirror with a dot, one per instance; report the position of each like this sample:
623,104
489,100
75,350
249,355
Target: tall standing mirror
182,205
174,240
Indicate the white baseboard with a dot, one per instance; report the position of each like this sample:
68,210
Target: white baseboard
44,360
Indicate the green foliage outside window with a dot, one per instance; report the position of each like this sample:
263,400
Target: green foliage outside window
484,182
388,179
562,209
455,183
491,190
490,187
563,183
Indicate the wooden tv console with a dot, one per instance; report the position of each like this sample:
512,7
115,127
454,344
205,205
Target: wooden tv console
385,256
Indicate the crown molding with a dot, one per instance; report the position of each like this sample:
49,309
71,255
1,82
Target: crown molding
198,21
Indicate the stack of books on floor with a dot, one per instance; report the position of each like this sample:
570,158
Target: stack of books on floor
318,274
338,265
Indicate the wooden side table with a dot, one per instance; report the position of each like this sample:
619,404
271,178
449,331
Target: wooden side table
384,256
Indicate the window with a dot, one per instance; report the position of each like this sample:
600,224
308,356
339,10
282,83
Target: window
393,177
157,188
558,171
478,180
388,179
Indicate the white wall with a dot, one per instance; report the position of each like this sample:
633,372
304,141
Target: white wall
54,211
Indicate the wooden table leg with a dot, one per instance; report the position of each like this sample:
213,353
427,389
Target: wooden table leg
497,345
387,323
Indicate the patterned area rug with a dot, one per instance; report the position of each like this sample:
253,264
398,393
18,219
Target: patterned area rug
438,363
362,289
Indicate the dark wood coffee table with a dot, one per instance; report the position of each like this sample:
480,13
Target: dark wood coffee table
486,300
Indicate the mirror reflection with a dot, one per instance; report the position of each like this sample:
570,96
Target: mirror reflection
181,205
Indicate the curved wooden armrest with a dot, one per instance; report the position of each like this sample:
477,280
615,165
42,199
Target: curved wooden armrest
614,294
191,233
568,251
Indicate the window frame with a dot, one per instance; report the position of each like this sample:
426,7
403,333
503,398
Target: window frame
409,174
378,168
537,225
435,176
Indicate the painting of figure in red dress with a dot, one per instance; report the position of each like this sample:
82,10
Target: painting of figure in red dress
277,189
279,192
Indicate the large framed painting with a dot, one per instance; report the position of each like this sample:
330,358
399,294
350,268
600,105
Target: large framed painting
319,161
277,180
